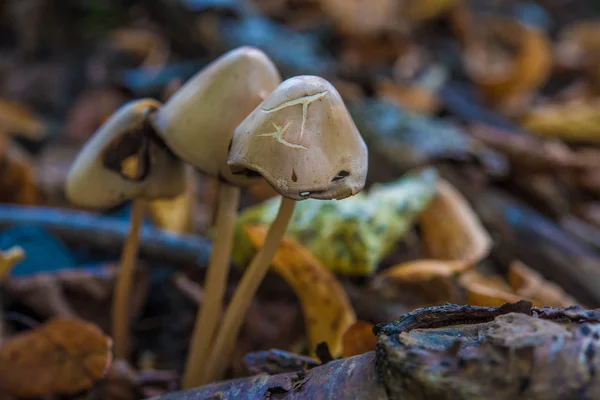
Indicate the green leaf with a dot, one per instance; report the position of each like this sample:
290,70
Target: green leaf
349,236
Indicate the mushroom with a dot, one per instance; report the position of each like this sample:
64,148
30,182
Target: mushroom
125,160
302,139
197,123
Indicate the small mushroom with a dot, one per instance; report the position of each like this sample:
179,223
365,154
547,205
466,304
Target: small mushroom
197,123
125,160
302,139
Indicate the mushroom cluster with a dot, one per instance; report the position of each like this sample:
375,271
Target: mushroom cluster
236,121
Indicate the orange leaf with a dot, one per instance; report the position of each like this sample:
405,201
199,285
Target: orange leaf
487,291
358,339
327,310
529,283
62,356
451,229
16,118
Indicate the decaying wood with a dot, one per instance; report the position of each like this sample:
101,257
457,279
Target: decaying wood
449,352
107,234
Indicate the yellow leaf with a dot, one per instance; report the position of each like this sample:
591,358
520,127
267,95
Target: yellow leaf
9,259
574,121
487,291
327,310
176,214
451,230
16,118
62,356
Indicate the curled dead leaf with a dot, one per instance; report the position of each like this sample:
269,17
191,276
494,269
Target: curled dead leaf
62,356
451,229
573,121
422,10
531,284
507,78
427,281
487,291
17,118
358,339
327,310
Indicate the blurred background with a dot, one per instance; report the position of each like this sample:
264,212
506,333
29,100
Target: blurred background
482,120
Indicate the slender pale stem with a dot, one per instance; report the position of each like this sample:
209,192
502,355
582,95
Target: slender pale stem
253,276
209,312
121,311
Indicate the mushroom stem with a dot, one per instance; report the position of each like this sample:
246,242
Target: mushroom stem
234,316
122,293
214,287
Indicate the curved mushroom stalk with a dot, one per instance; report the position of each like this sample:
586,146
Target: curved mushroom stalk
123,161
302,140
197,123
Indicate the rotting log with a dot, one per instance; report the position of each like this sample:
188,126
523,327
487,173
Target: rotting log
103,233
449,352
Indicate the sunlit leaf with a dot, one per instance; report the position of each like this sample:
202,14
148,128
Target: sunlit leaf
327,310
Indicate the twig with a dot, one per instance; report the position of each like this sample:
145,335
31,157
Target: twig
103,233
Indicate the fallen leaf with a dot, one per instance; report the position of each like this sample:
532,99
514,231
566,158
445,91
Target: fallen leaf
573,121
175,214
9,259
487,291
62,356
423,10
351,236
361,18
410,96
451,229
531,284
144,43
578,49
18,184
327,310
17,118
419,282
358,339
507,79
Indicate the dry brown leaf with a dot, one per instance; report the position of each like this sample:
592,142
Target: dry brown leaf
507,80
17,179
358,339
531,284
175,215
143,43
62,356
451,229
422,10
16,118
486,291
361,18
420,282
412,97
327,310
573,121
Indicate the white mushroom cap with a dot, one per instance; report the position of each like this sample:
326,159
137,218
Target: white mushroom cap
125,159
302,139
198,121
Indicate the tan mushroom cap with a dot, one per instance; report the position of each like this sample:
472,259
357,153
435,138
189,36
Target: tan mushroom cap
198,121
125,159
302,139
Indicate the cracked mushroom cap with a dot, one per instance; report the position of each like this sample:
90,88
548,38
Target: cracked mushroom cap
302,139
124,159
198,121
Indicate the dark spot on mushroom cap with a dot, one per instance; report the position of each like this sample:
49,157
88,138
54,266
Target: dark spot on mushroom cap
340,175
294,176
